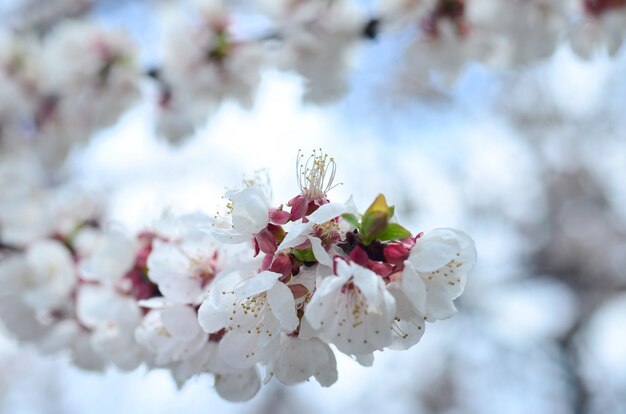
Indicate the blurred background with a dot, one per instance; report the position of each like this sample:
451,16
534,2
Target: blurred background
530,162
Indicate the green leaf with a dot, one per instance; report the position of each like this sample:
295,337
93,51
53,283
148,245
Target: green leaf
351,218
372,225
394,231
304,255
378,206
391,211
375,219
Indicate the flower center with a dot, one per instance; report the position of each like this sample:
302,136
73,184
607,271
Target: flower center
327,232
315,175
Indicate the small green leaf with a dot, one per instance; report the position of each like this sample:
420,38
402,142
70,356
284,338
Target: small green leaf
375,219
391,211
372,225
378,206
351,218
304,255
394,231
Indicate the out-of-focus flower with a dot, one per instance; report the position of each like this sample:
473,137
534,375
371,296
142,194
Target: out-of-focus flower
317,41
171,333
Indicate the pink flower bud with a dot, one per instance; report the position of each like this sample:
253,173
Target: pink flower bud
396,253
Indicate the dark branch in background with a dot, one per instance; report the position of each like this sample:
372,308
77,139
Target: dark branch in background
371,29
8,248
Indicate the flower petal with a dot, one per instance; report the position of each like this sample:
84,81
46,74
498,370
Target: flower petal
257,284
180,321
327,212
296,236
320,253
283,306
238,387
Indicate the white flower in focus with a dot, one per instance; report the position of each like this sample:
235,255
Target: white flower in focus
320,224
249,214
443,258
254,309
171,334
296,360
409,291
352,310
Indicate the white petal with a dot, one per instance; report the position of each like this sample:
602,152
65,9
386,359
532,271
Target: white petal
297,360
100,304
180,321
111,260
153,303
414,289
250,210
240,386
327,212
257,284
440,305
439,247
324,300
407,333
230,236
431,254
211,319
368,283
366,360
283,306
447,283
296,236
320,253
240,349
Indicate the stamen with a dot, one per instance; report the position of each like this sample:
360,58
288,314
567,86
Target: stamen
316,175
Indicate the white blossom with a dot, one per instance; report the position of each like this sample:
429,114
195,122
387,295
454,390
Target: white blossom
254,309
599,33
184,269
296,360
443,258
171,333
249,212
111,259
50,275
319,222
112,318
352,310
409,291
240,386
318,38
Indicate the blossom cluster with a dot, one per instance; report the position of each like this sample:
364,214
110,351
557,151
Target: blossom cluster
255,289
79,77
57,91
